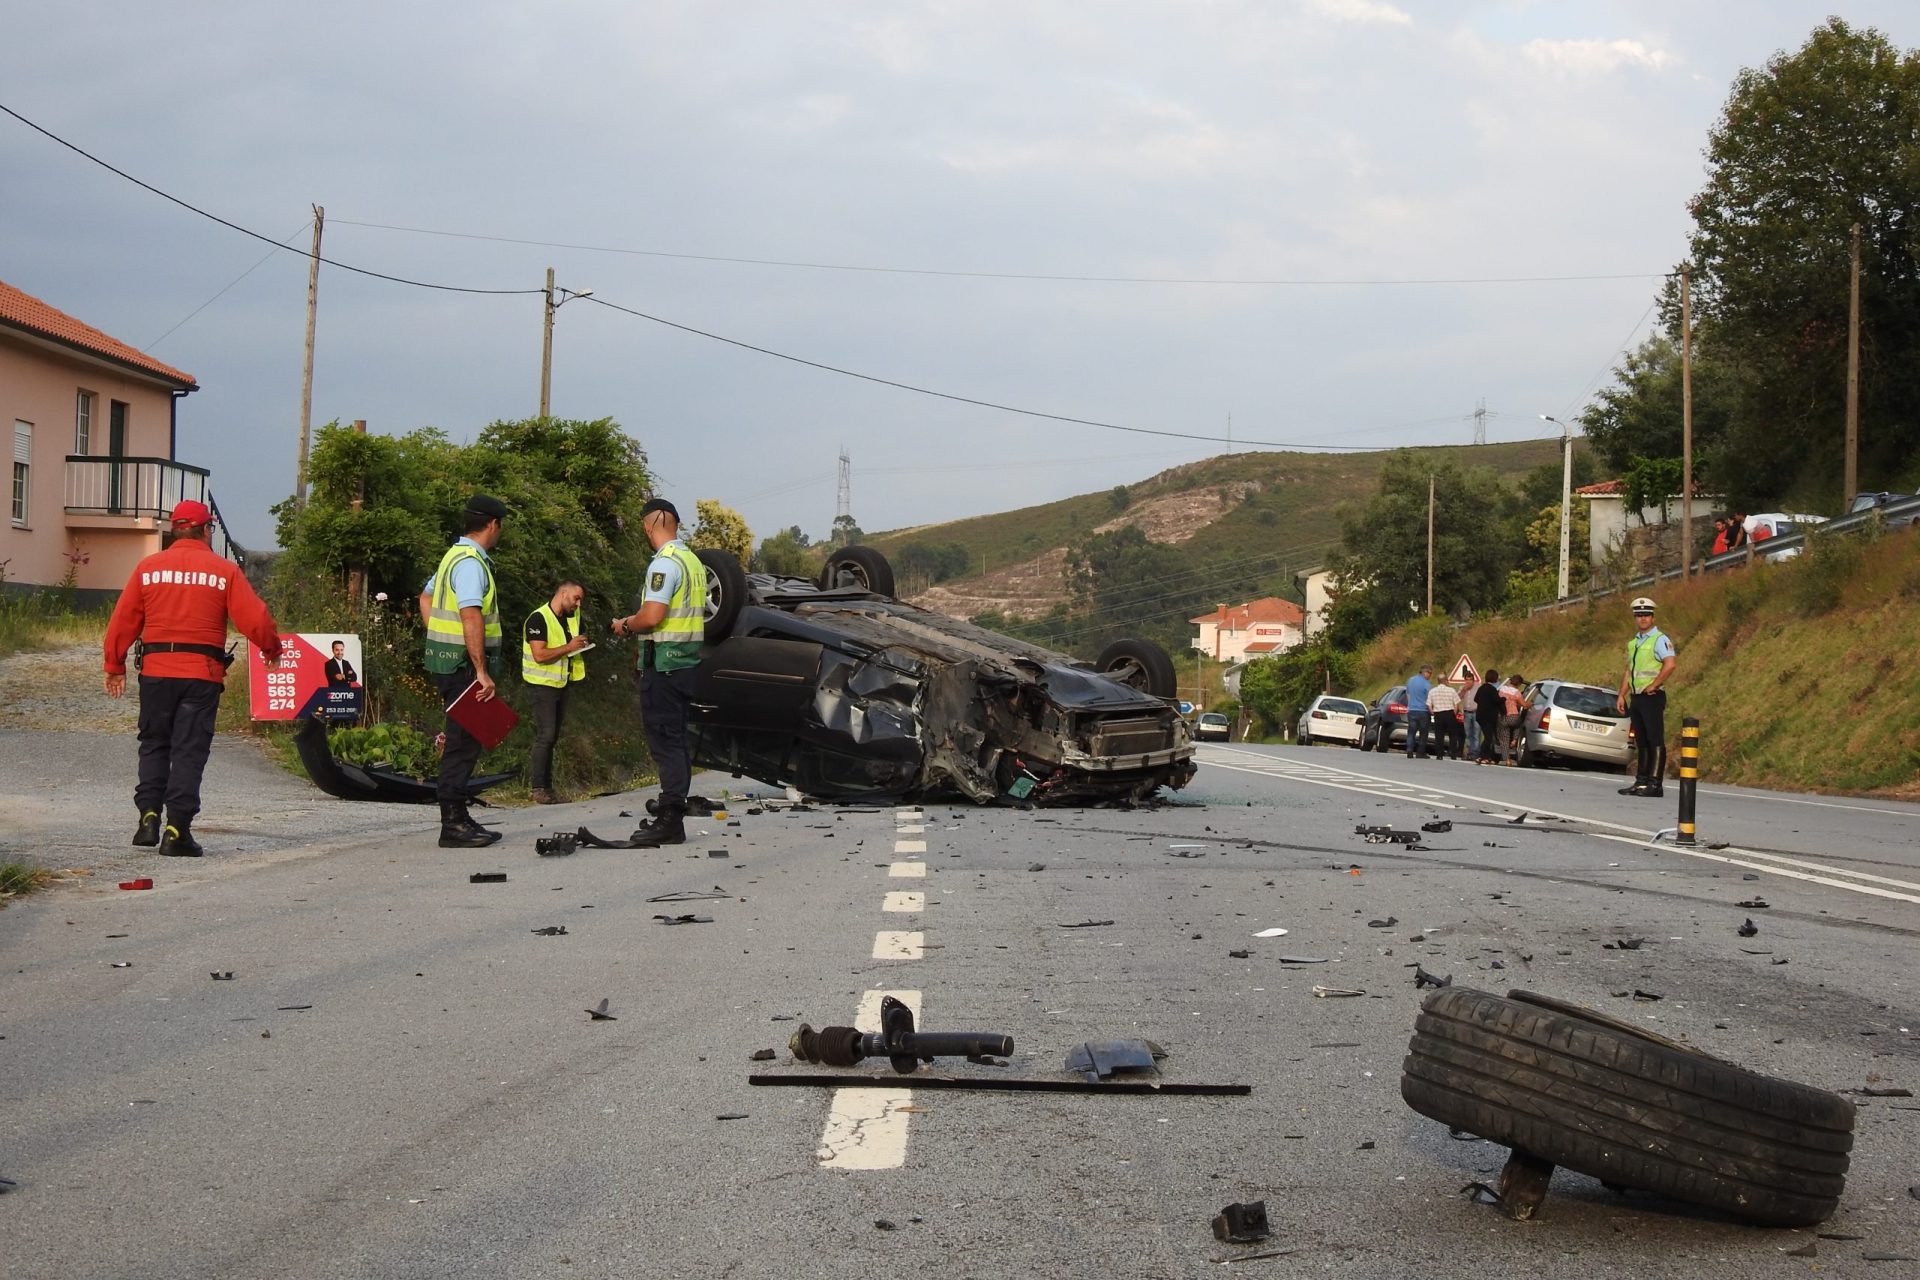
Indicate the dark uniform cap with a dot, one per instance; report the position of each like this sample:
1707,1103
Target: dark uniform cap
482,504
660,504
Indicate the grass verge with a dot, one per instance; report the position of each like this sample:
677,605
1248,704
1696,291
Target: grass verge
17,879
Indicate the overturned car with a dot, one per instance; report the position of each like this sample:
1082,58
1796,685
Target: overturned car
838,689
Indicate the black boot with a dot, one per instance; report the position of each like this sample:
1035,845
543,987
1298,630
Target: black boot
147,834
668,828
177,841
460,831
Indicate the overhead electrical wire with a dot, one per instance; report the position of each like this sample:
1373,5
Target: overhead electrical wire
1055,277
279,245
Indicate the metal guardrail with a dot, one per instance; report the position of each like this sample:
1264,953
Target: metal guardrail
1894,514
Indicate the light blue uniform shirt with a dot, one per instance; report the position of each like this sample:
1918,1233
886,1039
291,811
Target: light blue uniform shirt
469,578
663,576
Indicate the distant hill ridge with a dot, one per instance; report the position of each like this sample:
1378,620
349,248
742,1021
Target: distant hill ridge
1239,507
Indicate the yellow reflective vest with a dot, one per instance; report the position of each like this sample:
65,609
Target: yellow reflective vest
560,672
677,640
446,636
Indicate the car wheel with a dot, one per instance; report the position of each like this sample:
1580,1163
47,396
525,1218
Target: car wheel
1306,737
1383,738
862,568
726,591
1578,1089
1529,758
1138,664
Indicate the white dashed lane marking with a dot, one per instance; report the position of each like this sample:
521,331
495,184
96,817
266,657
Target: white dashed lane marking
909,846
908,870
867,1128
910,829
904,900
899,944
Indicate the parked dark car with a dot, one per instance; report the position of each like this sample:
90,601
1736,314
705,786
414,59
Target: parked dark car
1386,725
838,689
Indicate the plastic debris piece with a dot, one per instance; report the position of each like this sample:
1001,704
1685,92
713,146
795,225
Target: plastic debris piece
1388,923
558,845
1335,993
686,919
1748,929
1036,866
1872,1091
690,895
1098,1059
1752,904
121,964
599,1012
1624,944
1889,1257
886,1224
1241,955
294,1008
1271,933
731,1115
1638,994
760,1055
142,882
1303,959
551,931
718,853
487,877
1242,1223
1088,924
221,975
1421,978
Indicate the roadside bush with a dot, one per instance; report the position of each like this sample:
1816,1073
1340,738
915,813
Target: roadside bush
399,747
1817,578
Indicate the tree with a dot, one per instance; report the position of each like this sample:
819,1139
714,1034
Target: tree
1640,416
785,554
1537,579
1386,540
1820,139
918,565
845,533
1277,689
720,528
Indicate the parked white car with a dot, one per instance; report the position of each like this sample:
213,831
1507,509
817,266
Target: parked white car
1331,719
1778,524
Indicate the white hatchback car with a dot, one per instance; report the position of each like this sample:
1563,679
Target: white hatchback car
1329,718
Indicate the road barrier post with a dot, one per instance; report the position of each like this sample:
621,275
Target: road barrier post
1689,776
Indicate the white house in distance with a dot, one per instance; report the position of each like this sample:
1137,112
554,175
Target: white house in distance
1608,518
1316,587
1234,633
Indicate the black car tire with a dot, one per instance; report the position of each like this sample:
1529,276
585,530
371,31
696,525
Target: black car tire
1383,737
1529,758
1602,1097
1138,664
726,591
1306,739
861,567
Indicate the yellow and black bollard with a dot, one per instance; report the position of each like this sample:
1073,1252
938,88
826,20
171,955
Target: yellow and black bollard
1689,776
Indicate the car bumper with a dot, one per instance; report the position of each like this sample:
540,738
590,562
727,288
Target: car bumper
1570,745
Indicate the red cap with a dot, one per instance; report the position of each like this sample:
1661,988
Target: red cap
191,512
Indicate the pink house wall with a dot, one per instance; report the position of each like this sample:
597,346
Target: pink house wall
38,384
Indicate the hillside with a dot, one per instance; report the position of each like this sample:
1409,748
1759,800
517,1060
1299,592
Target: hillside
1804,675
1238,507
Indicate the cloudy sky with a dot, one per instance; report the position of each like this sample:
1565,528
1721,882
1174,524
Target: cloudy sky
1157,215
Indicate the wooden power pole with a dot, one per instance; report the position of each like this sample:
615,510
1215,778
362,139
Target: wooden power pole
306,370
1686,422
546,349
1853,379
1429,544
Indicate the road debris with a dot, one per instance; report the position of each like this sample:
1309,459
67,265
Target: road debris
689,918
904,1047
761,1055
1748,929
557,845
1438,827
1303,959
551,931
1098,1059
1088,924
1421,978
731,1115
1242,1223
691,895
1624,944
599,1012
1388,923
1335,993
1241,955
1874,1091
1003,1084
141,882
1271,933
1752,904
221,975
121,964
487,877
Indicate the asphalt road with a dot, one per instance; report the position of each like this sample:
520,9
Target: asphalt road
401,1079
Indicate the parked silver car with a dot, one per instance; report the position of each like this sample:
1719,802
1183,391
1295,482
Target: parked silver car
1212,726
1331,719
1568,722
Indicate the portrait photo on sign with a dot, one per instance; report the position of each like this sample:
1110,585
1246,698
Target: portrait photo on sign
318,675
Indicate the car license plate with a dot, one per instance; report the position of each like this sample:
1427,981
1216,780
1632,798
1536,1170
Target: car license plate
1588,726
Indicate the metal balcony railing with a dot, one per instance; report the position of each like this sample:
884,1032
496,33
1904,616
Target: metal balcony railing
142,488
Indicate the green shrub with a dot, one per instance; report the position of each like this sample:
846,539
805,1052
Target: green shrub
399,747
1817,578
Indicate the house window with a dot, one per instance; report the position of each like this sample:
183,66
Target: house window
22,470
83,423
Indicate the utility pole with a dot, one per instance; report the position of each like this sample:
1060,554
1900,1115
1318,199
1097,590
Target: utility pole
1853,379
1686,422
546,350
306,371
1429,544
1566,505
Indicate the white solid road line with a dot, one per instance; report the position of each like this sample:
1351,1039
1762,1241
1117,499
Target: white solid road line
899,944
904,900
867,1128
909,846
1857,881
907,870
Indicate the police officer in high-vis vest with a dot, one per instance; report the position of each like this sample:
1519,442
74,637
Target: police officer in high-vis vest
673,614
550,648
1643,698
461,606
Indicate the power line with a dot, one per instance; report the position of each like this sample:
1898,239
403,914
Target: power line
1594,381
1054,277
246,231
282,244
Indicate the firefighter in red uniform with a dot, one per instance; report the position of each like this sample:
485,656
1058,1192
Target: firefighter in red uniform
176,605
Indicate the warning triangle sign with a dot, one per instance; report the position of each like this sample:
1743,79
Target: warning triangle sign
1463,672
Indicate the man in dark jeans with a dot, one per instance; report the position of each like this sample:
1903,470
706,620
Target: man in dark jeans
550,663
461,608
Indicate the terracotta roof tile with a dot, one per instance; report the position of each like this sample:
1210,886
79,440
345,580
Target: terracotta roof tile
1266,609
1606,488
21,310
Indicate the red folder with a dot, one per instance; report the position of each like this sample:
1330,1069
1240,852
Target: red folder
490,721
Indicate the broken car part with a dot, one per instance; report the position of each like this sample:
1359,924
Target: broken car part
1098,1059
1001,1084
689,918
897,1041
1242,1223
557,845
352,782
1564,1085
599,1012
487,877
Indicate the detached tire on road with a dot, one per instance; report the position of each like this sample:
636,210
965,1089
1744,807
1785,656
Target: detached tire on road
1586,1092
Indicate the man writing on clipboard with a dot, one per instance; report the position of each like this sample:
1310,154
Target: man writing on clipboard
460,605
550,661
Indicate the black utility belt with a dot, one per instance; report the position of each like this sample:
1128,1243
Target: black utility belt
222,656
